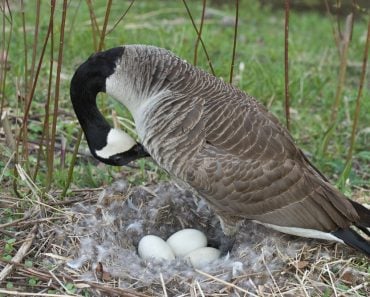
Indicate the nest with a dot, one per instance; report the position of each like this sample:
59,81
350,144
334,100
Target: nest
101,239
87,246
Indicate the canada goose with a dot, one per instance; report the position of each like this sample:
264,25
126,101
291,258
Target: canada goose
215,140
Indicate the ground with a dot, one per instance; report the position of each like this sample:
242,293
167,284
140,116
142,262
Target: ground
50,217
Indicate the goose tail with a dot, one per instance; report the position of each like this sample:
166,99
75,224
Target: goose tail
351,237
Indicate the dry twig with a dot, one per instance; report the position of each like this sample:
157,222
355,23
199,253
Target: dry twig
225,283
16,293
20,254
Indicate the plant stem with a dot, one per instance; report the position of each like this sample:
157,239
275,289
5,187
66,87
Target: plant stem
341,78
358,102
56,98
106,18
72,165
286,64
200,33
121,18
234,42
200,38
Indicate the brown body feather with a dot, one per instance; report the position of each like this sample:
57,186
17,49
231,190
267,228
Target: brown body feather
232,152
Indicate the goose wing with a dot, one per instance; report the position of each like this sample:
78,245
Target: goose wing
248,166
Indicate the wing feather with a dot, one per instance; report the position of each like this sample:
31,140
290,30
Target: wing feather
250,167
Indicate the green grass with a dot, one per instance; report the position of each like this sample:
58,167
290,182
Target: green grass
314,64
314,67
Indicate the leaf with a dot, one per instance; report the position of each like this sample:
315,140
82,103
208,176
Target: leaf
11,240
302,264
9,285
101,274
32,282
348,277
70,288
28,263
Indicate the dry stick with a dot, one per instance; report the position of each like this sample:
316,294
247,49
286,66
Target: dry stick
35,41
75,200
20,254
331,280
15,222
22,222
225,283
32,73
56,100
341,77
235,36
9,137
94,23
16,293
269,272
114,291
200,38
45,129
163,285
25,47
121,18
200,289
6,166
302,285
359,95
355,289
72,165
105,24
286,64
46,276
32,92
58,281
200,33
5,50
79,136
339,30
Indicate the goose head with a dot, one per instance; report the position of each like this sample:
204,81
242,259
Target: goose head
109,145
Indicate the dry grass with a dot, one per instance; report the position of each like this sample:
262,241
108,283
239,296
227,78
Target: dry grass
88,248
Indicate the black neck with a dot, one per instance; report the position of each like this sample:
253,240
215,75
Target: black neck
94,125
88,80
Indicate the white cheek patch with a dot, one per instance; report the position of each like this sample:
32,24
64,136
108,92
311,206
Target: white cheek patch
117,142
310,233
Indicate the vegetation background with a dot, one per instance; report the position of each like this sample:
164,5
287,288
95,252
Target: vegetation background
42,163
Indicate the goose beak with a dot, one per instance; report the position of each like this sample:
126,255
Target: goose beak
120,149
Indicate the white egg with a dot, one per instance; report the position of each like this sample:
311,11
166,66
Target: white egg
185,241
151,246
203,256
